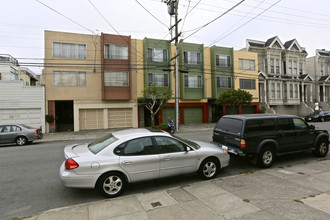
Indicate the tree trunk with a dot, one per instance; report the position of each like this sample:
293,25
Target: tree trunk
152,118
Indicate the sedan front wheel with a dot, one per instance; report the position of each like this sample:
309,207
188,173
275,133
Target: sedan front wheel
209,168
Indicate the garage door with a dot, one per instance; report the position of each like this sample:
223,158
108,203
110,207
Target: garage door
251,109
31,117
120,118
90,119
168,114
193,115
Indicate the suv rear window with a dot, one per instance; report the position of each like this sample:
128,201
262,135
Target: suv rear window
230,125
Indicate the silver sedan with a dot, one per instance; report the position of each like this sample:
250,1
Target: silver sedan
19,134
133,155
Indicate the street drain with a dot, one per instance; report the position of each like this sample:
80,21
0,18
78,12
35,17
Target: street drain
156,204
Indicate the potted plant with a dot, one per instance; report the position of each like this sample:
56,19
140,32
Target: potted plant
50,120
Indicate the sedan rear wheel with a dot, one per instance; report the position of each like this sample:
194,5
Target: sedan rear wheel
111,184
20,141
209,168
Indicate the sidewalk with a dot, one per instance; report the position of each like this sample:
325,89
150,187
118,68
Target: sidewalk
299,191
94,134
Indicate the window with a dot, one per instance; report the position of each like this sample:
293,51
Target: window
277,65
223,82
10,128
247,84
116,78
158,79
245,64
294,67
272,90
290,67
117,52
222,60
68,50
300,68
101,143
295,91
192,58
278,90
272,69
169,145
192,81
322,70
69,78
260,125
299,124
291,91
140,146
285,124
230,125
157,55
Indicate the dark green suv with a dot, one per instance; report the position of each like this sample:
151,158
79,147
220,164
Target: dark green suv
264,136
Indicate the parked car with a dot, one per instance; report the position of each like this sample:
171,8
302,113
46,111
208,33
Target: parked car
110,163
318,116
19,134
264,136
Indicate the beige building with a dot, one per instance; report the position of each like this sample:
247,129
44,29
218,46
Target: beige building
80,93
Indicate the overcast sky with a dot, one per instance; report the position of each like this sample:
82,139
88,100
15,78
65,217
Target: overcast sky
22,22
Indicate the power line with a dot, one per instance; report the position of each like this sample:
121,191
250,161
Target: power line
151,14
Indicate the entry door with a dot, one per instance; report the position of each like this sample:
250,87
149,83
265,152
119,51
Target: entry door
139,159
175,159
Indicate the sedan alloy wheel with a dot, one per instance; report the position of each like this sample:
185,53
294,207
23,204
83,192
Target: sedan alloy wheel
112,184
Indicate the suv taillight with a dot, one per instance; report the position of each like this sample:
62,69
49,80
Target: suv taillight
242,143
70,164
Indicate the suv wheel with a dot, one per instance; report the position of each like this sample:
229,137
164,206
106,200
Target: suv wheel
322,148
322,119
266,157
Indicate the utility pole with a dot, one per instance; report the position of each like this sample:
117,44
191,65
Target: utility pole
173,10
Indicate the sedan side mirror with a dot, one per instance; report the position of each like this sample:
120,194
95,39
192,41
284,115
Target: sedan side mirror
312,127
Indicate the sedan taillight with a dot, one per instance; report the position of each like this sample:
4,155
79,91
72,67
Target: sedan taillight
70,164
36,131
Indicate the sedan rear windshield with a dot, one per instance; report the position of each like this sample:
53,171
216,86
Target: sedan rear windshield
230,125
101,143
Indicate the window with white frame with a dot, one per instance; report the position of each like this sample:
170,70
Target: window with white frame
290,67
224,82
157,55
272,66
277,66
278,90
69,50
192,81
115,78
295,91
272,90
116,52
295,71
222,60
301,69
247,84
69,78
158,79
192,58
246,64
291,91
322,70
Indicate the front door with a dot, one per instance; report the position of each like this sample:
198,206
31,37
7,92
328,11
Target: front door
175,157
139,159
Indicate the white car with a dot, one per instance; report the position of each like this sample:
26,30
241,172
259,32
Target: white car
133,155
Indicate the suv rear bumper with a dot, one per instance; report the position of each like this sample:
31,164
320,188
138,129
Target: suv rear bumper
232,150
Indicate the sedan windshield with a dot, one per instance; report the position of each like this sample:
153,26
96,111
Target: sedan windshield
101,143
190,143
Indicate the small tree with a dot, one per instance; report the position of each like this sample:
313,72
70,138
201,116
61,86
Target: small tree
155,98
233,97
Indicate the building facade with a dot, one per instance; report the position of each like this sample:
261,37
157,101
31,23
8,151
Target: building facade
285,85
88,81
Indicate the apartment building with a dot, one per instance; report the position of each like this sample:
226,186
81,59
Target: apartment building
319,67
88,81
285,85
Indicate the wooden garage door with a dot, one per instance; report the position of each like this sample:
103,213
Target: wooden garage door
90,119
120,117
193,115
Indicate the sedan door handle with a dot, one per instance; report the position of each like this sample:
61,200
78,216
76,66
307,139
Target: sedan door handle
166,158
126,162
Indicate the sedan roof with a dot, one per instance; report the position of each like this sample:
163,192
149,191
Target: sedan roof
138,132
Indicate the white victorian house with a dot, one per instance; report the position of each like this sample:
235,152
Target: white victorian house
285,85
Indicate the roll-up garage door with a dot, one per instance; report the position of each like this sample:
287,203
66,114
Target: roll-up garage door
193,115
90,119
31,117
120,118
